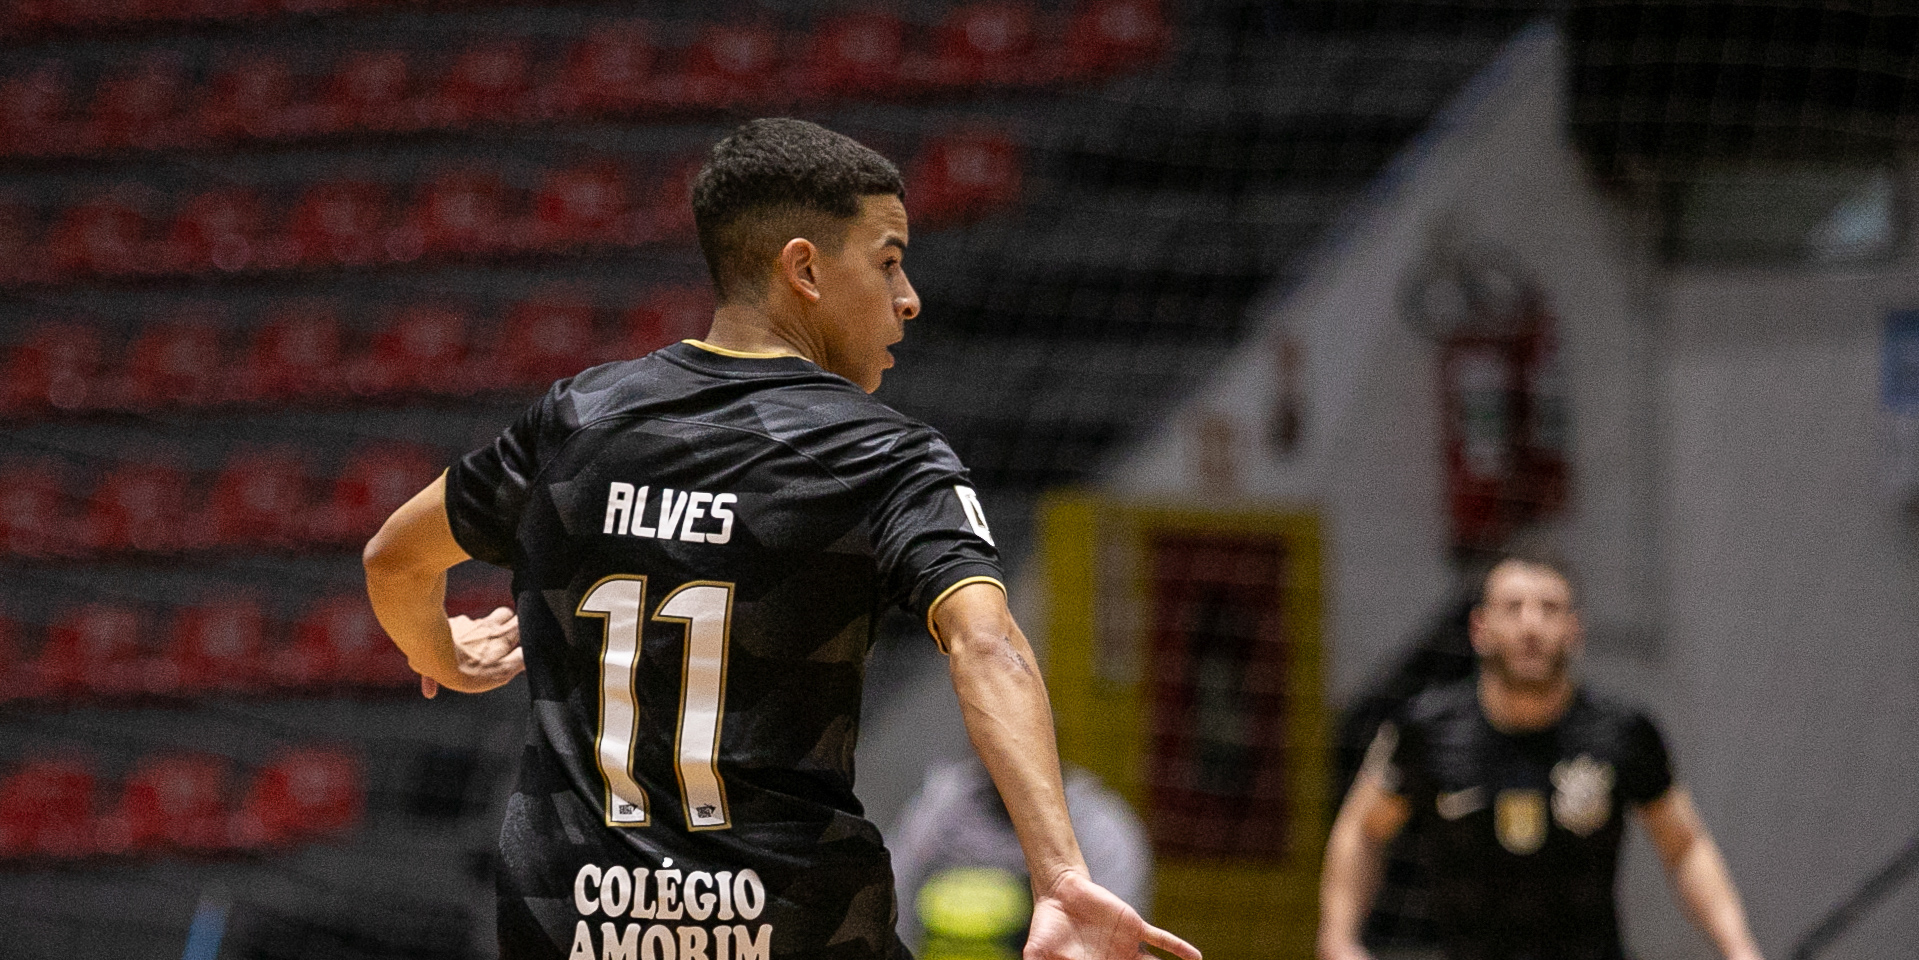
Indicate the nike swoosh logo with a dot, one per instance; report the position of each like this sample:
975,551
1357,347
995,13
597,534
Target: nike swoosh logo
1459,803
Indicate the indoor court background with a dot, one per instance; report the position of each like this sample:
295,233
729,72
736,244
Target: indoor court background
1256,322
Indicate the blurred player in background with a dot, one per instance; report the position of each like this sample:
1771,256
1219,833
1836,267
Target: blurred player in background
700,541
1520,779
955,838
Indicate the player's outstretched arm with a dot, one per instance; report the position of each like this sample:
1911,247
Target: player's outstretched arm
1699,873
1003,700
406,564
1355,856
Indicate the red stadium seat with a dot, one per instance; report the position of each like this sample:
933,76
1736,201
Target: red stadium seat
609,71
220,230
375,481
252,99
339,644
370,90
259,499
175,363
339,221
462,213
305,793
985,43
138,506
488,82
35,112
546,338
584,205
856,55
46,809
35,518
1108,36
667,315
731,64
58,366
172,800
962,176
423,350
297,353
104,235
218,647
141,106
95,650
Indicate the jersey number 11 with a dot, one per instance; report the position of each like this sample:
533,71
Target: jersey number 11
706,608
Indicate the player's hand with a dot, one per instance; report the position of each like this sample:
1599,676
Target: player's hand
486,652
1081,920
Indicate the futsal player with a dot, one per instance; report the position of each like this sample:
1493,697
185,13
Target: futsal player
701,541
1521,778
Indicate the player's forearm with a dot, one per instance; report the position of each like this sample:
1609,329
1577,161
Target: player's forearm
1004,703
410,604
1705,887
1347,884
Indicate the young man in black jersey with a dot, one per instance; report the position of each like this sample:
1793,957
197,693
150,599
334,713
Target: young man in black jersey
701,540
1520,780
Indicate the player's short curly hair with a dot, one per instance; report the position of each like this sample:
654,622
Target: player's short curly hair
773,180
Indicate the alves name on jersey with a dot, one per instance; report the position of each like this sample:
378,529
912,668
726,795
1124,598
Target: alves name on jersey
701,543
1523,828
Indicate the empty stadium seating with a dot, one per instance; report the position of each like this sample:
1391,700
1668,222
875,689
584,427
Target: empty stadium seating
171,800
92,651
159,101
178,362
259,501
376,479
46,809
300,352
297,352
302,794
55,808
223,646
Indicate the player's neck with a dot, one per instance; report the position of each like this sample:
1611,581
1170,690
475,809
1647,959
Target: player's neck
751,328
1513,708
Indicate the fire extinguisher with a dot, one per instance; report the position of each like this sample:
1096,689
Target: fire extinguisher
1505,410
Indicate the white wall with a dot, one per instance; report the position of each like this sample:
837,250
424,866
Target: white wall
1747,571
1793,570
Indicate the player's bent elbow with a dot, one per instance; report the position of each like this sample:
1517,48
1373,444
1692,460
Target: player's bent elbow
382,557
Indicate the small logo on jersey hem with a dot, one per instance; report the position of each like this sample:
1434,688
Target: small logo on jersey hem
1582,794
1460,803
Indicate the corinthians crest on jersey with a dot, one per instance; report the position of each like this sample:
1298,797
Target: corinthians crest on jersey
1582,794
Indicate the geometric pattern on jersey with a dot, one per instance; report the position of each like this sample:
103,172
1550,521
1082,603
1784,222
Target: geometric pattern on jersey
701,544
1524,828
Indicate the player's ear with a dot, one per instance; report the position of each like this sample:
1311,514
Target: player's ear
1476,627
797,260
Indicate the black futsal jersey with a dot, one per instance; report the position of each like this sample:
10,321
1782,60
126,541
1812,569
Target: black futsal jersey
701,542
1524,828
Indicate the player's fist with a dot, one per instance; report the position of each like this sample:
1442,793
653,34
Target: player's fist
485,651
1081,920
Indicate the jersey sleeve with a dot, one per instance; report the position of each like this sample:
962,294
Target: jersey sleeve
1645,767
929,531
487,489
1394,759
